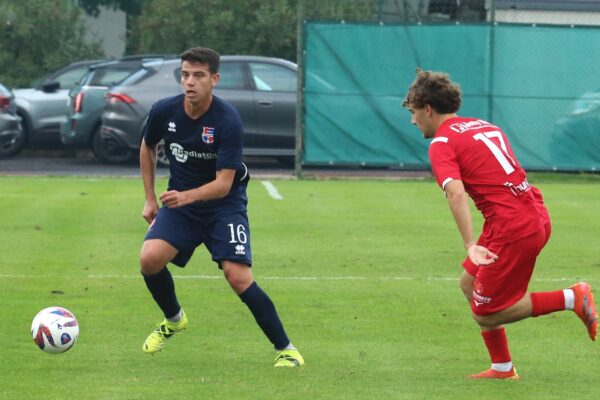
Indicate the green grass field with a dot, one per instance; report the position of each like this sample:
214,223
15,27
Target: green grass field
363,273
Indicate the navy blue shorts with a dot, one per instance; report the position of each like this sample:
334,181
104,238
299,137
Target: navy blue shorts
225,233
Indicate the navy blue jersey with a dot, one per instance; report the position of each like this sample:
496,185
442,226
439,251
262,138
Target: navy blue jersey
198,148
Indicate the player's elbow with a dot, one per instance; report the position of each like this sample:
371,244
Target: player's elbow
222,189
454,189
223,183
457,202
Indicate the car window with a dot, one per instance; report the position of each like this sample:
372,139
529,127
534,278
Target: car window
137,77
177,74
271,77
70,78
108,76
85,78
39,81
231,76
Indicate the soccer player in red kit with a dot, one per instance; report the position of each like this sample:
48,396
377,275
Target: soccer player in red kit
470,156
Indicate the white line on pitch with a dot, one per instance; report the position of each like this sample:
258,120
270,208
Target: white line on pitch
272,190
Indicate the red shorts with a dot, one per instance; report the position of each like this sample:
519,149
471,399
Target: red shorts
501,284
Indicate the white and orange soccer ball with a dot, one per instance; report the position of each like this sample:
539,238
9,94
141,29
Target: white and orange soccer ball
55,330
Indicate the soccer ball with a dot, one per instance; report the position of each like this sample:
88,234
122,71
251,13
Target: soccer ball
54,329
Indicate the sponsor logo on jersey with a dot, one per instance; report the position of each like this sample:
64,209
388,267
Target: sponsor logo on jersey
461,127
182,154
208,134
519,188
171,127
479,299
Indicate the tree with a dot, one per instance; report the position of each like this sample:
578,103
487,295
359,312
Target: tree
261,27
39,36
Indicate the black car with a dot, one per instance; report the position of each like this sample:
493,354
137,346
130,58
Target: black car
263,89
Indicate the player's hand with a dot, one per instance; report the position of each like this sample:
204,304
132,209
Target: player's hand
175,199
150,211
480,255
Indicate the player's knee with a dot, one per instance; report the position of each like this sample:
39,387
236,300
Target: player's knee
239,278
150,263
237,282
486,321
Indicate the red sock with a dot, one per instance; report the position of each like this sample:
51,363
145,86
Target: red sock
497,345
547,302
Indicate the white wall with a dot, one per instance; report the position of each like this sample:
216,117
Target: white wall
110,29
548,17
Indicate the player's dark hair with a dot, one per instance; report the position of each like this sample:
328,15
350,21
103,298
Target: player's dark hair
202,55
435,89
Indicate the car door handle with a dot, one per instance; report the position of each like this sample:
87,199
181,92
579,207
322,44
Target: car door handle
265,103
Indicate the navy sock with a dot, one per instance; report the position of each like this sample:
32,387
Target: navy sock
162,287
264,312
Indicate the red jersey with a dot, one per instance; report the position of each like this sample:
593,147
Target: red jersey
478,153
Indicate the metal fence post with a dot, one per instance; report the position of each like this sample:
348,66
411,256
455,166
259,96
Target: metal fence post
300,87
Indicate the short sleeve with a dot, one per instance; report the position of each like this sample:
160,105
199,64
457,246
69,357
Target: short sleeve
152,133
229,153
443,161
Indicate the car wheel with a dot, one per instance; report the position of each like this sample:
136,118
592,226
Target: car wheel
16,144
108,153
161,154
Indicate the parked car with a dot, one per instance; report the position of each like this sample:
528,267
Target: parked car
81,128
263,89
11,135
42,107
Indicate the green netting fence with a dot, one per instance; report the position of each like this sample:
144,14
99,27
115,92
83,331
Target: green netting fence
541,84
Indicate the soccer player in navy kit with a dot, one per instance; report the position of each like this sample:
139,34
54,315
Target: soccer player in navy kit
205,202
473,157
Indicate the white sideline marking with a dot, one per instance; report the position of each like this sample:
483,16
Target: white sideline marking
272,190
281,278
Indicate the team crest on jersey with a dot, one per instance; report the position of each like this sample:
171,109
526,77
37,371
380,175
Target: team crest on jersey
477,286
478,298
208,134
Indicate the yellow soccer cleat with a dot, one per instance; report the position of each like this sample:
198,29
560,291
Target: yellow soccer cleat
289,358
158,338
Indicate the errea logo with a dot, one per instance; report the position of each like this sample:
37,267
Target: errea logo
171,126
240,249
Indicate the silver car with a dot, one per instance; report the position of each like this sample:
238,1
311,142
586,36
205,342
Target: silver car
263,89
81,129
42,107
11,136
